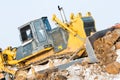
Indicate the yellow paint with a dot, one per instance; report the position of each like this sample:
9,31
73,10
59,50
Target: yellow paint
2,66
60,47
10,52
40,51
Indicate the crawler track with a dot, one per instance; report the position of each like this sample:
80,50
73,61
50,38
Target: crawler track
67,56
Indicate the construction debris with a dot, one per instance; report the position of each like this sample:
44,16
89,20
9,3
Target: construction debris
78,72
107,50
104,47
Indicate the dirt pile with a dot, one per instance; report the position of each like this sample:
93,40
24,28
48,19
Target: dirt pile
77,72
105,49
49,74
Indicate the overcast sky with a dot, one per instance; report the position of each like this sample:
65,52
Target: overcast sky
14,13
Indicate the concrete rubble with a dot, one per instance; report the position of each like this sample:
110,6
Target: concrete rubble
107,50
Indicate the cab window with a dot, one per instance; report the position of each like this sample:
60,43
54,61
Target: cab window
40,31
26,33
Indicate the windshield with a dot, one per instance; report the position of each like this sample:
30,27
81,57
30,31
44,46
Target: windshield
40,31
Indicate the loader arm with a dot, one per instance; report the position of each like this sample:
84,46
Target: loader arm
67,27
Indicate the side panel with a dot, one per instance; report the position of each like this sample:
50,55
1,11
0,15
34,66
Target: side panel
24,51
60,38
19,53
46,24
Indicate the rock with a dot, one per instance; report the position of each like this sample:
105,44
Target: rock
117,64
21,75
117,45
112,68
60,77
1,75
96,78
64,72
42,76
117,26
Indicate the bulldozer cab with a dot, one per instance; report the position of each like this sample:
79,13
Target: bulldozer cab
34,36
37,35
35,30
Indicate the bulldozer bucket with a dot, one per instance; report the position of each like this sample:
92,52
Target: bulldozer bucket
90,41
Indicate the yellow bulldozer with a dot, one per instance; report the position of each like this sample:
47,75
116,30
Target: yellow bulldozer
39,42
